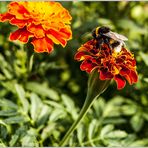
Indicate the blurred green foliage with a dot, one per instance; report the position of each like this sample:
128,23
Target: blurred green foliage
37,107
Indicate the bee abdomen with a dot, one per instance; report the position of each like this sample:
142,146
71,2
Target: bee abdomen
115,44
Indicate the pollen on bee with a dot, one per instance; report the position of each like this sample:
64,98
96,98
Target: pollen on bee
118,48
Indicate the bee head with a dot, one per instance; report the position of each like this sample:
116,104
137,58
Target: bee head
103,30
100,31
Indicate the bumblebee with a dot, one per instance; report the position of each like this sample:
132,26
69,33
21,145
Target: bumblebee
114,40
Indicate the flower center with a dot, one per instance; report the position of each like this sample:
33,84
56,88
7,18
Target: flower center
42,10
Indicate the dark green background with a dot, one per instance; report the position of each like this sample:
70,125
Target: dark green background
38,107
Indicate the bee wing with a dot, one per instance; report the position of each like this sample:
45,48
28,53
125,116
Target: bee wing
116,36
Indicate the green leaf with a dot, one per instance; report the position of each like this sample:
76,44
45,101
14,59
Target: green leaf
3,123
144,56
129,139
69,104
31,62
99,106
14,120
117,134
21,95
8,113
44,115
9,86
3,131
57,114
106,129
81,133
138,143
8,103
13,140
2,144
29,140
114,120
128,109
137,122
54,104
42,90
128,24
48,130
91,131
36,106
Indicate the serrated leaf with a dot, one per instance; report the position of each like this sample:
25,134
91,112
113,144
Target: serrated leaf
42,90
21,95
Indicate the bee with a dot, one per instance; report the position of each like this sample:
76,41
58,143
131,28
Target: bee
114,40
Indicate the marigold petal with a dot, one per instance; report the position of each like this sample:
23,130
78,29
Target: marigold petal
79,56
20,34
19,23
120,65
15,8
120,82
134,76
124,71
66,32
37,30
128,78
82,48
43,21
59,37
88,66
104,74
5,17
42,45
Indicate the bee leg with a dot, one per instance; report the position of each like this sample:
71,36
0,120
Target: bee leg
98,44
109,45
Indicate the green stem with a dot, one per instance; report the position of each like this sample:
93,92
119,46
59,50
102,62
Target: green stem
86,106
95,88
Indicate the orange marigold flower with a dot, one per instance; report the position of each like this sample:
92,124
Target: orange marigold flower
45,23
118,65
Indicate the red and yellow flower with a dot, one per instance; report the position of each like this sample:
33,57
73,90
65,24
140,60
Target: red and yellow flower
45,23
120,66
